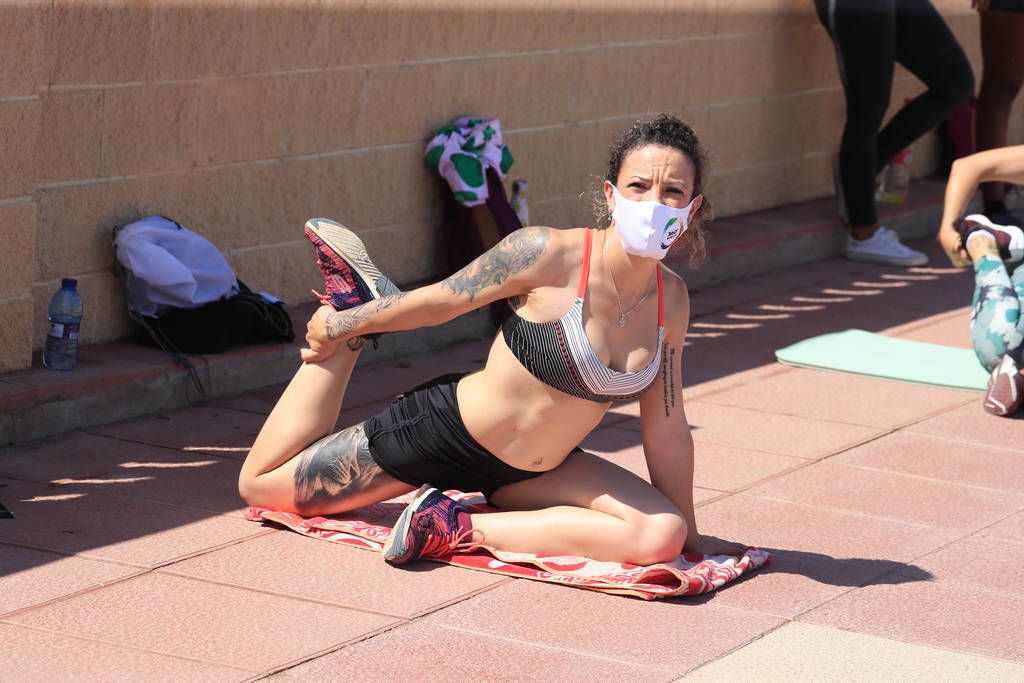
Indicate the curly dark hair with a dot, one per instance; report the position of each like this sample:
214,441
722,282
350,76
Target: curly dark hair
666,130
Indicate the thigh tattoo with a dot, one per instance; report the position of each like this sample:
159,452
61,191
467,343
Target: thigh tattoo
334,466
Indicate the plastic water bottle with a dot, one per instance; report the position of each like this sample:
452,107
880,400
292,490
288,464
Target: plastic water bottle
60,351
896,178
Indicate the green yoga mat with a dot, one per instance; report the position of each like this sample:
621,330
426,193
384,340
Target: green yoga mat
865,353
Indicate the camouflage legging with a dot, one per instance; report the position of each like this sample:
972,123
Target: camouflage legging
996,323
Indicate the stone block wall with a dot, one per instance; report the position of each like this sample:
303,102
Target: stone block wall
242,118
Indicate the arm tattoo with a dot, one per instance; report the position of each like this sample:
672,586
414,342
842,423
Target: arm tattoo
668,377
341,323
335,465
512,255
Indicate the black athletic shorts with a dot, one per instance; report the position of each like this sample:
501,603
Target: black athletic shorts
421,439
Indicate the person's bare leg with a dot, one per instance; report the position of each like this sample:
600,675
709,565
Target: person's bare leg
295,466
585,507
1002,42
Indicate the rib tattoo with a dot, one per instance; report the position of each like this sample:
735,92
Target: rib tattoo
512,255
334,466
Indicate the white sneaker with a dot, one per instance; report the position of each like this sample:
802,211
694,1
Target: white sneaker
1009,238
884,247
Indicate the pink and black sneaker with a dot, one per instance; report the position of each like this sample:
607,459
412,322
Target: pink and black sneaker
350,277
430,528
1009,238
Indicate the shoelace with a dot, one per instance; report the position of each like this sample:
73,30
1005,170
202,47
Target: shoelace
324,299
442,545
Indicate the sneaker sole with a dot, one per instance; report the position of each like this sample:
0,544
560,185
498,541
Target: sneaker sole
1003,396
348,245
395,547
884,261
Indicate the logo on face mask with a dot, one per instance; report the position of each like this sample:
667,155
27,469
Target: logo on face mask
670,232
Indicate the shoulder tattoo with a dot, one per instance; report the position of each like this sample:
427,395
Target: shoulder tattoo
510,256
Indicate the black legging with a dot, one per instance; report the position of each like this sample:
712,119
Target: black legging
870,37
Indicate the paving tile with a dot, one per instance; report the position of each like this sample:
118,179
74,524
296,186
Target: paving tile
892,496
260,400
972,424
978,562
821,535
711,380
716,467
770,432
411,653
840,398
624,448
221,624
31,655
794,652
841,305
656,634
29,577
110,527
727,468
1010,528
947,329
931,613
790,586
84,462
205,428
739,292
720,345
940,458
289,564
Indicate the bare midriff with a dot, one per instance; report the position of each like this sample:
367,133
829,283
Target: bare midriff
519,419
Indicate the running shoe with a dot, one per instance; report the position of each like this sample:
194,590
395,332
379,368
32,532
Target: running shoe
350,277
1005,388
883,247
1005,217
1009,238
428,528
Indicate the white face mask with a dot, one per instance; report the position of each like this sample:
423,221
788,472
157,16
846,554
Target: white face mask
649,228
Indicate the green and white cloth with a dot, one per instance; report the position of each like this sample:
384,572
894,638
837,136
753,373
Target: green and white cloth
463,151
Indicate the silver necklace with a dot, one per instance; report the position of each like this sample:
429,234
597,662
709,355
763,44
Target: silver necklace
615,288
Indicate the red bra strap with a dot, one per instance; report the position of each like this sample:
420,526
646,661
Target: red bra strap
581,290
661,300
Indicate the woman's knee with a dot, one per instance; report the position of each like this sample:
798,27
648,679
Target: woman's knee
658,538
264,490
249,489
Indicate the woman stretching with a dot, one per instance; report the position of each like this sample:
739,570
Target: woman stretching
997,329
596,318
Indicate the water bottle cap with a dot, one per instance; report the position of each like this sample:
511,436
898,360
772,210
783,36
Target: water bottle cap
68,283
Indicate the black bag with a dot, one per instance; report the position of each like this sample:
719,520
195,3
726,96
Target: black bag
214,327
246,318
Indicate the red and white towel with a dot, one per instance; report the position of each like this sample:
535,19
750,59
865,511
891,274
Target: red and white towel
689,574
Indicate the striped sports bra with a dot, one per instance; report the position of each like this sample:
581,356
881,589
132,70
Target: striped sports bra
560,355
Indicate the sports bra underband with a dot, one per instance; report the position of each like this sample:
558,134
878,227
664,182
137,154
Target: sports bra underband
560,355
